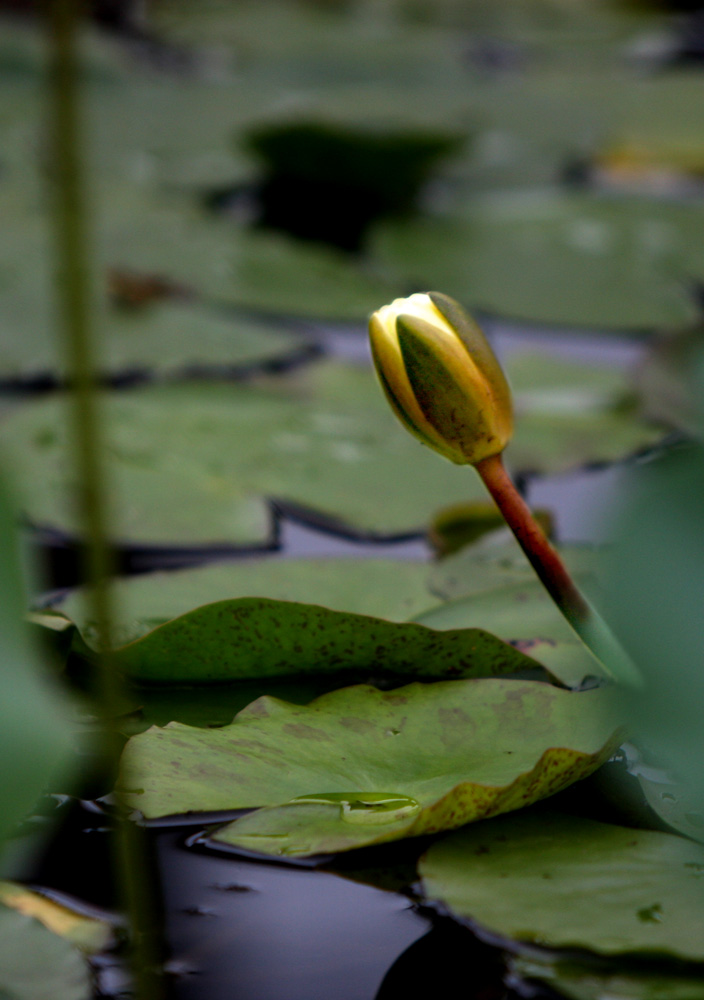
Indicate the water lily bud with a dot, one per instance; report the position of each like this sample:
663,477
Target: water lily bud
441,377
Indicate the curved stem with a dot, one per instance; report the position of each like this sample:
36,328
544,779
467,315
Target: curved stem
542,556
552,572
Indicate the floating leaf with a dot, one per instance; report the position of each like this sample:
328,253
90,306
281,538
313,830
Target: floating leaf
383,588
256,637
570,413
564,881
325,439
498,561
602,262
525,616
360,766
581,981
493,582
38,965
162,339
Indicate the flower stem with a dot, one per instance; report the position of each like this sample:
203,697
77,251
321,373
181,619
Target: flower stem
552,572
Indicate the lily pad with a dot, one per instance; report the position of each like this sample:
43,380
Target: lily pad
525,616
574,883
497,560
384,588
361,766
38,965
578,981
256,637
599,262
324,438
162,339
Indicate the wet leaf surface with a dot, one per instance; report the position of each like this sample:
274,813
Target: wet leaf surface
369,766
554,880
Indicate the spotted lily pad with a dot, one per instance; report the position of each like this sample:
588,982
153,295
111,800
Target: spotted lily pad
574,883
361,766
256,637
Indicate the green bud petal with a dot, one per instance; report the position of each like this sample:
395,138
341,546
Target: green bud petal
449,390
397,389
441,377
479,349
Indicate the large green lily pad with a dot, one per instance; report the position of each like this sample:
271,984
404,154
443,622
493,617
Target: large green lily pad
602,262
373,766
324,438
564,881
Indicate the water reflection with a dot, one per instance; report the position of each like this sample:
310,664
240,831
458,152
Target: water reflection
273,932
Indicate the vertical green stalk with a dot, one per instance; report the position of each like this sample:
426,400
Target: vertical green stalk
73,309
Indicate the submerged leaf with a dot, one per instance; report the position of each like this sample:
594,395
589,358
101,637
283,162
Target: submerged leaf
574,883
439,755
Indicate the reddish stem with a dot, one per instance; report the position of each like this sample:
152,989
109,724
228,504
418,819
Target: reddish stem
542,556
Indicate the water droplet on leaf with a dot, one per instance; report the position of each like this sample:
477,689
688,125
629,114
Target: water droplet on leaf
365,807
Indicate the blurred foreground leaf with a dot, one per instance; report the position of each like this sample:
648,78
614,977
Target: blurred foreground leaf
86,933
655,605
36,964
34,723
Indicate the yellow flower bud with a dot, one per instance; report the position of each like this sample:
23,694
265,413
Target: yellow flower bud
441,377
